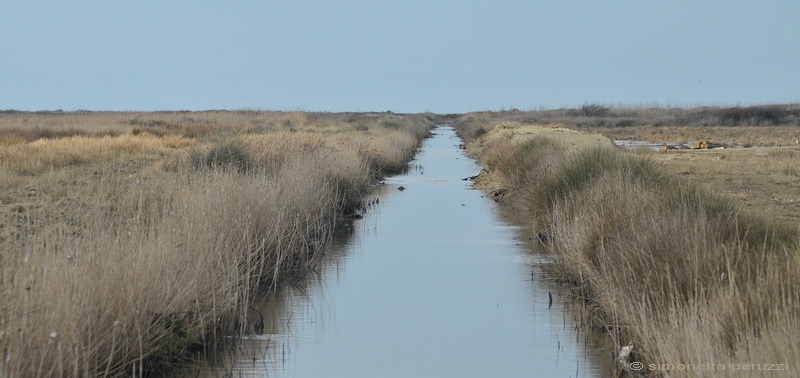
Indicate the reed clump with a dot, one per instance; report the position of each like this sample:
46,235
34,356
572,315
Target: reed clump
228,154
683,274
122,255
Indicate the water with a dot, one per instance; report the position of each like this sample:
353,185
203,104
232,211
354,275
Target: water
432,283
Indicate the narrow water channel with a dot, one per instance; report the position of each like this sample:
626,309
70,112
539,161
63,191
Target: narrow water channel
432,283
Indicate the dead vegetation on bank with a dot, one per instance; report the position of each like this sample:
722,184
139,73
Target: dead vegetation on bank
763,125
684,274
134,239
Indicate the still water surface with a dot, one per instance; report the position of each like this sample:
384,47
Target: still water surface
433,282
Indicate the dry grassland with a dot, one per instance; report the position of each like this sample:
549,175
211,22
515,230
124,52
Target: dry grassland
690,257
745,136
135,239
765,180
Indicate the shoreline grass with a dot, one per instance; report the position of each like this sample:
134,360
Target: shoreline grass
124,254
682,274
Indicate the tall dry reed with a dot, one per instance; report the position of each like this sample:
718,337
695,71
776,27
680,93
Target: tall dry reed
682,274
108,268
148,268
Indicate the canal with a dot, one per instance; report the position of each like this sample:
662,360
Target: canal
432,282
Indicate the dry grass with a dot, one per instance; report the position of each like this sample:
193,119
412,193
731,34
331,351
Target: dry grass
684,274
681,274
17,126
764,180
119,255
142,270
52,153
382,152
763,125
746,136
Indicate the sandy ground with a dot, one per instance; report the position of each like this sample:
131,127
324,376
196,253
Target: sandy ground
571,138
765,180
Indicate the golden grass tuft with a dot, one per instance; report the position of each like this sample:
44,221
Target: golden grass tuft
45,153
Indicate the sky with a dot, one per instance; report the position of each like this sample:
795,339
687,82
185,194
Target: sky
442,56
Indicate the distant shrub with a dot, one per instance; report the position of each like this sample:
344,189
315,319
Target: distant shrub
624,123
392,124
479,132
472,126
230,154
197,130
591,115
594,110
151,131
36,133
758,115
765,115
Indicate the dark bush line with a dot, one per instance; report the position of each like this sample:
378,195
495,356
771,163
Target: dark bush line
750,116
36,133
596,115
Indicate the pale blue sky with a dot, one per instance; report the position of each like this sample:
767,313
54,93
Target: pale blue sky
406,56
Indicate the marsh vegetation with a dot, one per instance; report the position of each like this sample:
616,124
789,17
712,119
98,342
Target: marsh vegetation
659,246
131,241
765,125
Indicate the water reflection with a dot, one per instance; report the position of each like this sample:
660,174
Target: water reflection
432,283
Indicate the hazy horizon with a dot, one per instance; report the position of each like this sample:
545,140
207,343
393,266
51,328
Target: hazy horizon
502,109
413,56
